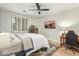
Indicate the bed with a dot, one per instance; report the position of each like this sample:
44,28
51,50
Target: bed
21,43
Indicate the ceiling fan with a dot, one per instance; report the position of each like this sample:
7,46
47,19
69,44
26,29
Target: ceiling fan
38,9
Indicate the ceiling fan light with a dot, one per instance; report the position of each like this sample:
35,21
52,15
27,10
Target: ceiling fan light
30,11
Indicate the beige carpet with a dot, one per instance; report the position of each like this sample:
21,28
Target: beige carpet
62,52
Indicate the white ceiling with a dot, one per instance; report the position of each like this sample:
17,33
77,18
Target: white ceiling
54,8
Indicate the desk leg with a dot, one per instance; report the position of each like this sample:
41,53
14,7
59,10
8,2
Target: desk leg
60,42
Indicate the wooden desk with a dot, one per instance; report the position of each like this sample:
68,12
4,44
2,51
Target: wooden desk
63,38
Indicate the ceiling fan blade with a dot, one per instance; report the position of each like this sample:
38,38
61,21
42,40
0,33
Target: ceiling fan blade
33,10
38,7
44,9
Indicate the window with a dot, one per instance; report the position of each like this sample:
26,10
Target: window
19,24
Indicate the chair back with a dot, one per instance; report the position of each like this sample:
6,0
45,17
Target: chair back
71,38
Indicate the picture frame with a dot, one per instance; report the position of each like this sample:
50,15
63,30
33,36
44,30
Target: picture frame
49,24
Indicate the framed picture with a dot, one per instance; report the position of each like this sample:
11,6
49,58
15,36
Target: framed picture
49,24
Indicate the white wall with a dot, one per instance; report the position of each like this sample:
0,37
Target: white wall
0,20
6,17
35,21
69,19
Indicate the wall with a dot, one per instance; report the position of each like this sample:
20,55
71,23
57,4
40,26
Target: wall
0,20
69,19
35,21
6,17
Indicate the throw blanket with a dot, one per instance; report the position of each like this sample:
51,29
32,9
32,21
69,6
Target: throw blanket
26,42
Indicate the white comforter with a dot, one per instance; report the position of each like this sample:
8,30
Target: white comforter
9,43
38,40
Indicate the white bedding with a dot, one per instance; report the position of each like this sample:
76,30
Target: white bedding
26,41
38,40
9,43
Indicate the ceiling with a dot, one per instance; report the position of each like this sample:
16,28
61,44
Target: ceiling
54,8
